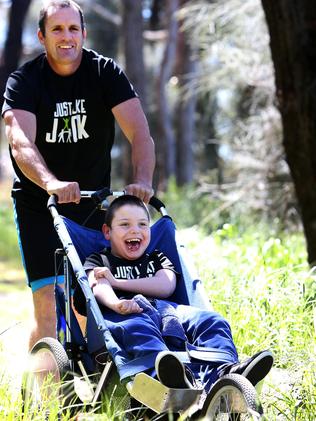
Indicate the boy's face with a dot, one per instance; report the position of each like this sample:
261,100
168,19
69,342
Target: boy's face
129,233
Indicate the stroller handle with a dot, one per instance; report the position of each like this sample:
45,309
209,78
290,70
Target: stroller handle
99,196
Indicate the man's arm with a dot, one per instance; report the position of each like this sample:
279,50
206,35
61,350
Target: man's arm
21,132
131,119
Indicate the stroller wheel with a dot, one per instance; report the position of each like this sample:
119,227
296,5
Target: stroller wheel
47,384
232,398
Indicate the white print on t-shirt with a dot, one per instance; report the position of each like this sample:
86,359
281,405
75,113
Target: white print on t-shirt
133,272
69,123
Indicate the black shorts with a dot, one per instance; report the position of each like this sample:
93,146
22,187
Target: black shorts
37,237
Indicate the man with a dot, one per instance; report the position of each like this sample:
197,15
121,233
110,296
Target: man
59,114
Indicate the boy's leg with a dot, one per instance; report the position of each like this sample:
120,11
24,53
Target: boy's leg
207,329
138,342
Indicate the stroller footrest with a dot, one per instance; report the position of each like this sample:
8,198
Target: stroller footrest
159,398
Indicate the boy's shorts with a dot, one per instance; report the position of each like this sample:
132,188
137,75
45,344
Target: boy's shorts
37,237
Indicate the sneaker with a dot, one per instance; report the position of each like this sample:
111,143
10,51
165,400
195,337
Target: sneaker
172,373
254,368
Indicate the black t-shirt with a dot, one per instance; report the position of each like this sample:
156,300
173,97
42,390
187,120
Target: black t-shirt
144,267
75,125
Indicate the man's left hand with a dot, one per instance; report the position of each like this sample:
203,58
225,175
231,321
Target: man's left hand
141,190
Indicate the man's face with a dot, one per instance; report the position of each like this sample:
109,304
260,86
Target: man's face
129,233
63,39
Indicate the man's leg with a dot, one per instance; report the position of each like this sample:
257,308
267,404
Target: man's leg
44,323
38,241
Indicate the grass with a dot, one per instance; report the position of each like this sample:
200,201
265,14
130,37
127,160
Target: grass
257,279
8,243
263,286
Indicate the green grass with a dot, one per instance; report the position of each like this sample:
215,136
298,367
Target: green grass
263,286
9,250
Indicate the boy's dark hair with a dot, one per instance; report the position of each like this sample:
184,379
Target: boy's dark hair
117,203
59,4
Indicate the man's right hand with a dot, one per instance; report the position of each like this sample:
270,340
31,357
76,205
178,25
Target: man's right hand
66,191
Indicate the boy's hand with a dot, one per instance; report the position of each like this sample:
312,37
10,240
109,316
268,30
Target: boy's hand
127,307
103,272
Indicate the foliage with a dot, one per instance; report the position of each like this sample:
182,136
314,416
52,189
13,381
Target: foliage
185,205
8,237
236,71
197,205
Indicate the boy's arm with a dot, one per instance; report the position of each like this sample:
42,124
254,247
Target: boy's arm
161,285
105,295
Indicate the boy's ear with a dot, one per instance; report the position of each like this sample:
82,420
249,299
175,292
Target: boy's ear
106,231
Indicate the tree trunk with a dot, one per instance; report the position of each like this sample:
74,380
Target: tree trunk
293,45
166,151
186,68
134,64
13,43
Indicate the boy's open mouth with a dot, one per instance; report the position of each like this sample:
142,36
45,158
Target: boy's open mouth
133,244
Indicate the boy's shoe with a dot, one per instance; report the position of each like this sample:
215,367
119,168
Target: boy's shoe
254,368
172,373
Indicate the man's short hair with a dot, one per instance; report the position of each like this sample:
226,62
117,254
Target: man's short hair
117,203
59,4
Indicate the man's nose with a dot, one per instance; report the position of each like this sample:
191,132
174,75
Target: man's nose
67,33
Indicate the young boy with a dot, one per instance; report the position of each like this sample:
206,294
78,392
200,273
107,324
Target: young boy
132,287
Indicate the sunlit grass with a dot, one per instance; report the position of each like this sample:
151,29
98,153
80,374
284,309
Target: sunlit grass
263,286
8,238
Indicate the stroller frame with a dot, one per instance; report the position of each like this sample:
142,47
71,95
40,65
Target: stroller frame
80,356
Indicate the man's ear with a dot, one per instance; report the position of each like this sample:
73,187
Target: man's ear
40,36
106,231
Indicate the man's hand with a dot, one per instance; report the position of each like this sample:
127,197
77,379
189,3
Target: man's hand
141,190
66,191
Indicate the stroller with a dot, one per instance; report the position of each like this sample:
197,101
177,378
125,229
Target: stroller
82,364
